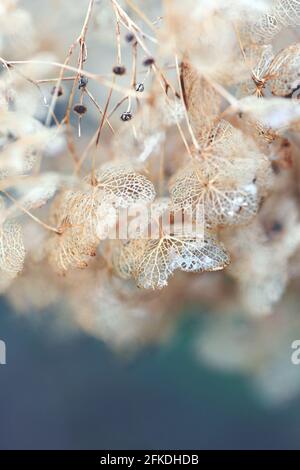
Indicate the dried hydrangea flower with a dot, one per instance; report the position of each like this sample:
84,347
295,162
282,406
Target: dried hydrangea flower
151,261
72,248
282,14
283,73
123,186
226,178
83,217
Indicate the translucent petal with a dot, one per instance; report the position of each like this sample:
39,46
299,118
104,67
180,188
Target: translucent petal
73,248
12,251
162,257
283,13
225,199
123,186
201,255
284,72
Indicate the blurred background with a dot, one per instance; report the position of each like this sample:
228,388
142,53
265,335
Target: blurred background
69,391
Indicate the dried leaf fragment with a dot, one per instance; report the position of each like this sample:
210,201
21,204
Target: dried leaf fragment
12,250
73,248
284,71
202,101
162,257
123,186
226,198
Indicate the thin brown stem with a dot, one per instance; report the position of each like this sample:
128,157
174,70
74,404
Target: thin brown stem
99,132
27,212
194,140
91,97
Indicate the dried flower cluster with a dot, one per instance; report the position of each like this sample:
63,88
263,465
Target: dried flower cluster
191,104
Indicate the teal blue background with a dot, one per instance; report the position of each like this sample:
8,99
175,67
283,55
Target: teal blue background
71,392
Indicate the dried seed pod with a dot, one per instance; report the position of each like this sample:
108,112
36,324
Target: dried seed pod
83,81
139,87
129,37
57,91
80,109
127,116
119,70
148,62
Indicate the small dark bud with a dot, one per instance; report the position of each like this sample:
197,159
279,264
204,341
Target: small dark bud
277,227
80,109
11,137
127,116
83,81
139,87
285,143
58,90
119,70
149,61
129,37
